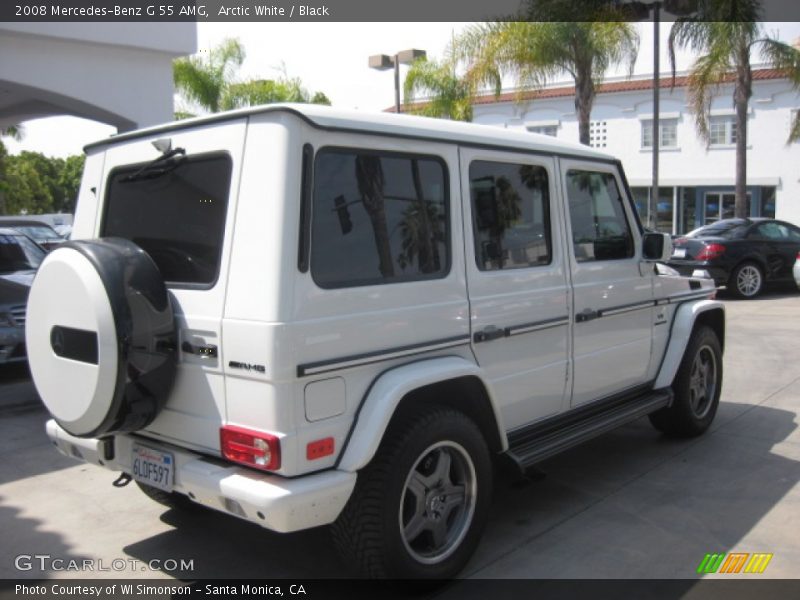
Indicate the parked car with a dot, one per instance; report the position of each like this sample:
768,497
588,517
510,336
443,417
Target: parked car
796,271
19,259
303,316
742,254
41,233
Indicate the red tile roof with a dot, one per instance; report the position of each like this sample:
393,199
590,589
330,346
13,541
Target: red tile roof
632,85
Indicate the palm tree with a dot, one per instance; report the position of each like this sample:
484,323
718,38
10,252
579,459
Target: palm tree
446,95
203,80
15,132
725,33
534,53
265,91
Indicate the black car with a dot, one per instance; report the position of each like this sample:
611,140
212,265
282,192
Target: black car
19,258
40,232
742,254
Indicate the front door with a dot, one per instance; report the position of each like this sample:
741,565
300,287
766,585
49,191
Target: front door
612,308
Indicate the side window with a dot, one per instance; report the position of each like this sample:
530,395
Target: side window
511,215
600,230
378,218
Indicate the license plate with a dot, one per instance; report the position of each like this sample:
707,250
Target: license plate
153,467
679,253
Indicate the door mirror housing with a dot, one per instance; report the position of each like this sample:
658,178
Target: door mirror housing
656,247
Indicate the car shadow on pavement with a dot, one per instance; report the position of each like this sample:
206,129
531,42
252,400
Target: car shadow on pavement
631,504
27,547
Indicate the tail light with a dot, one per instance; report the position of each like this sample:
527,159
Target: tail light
251,448
710,252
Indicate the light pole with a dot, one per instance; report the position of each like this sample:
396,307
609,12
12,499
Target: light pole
640,10
383,62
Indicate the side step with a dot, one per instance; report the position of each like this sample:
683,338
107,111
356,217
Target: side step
542,440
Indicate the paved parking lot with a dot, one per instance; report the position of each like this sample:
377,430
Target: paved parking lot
631,504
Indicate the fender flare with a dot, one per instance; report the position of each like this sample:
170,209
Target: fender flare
682,326
386,393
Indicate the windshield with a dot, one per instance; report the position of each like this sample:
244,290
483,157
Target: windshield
176,214
18,253
721,229
40,233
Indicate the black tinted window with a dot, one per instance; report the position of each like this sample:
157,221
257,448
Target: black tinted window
176,213
378,218
510,211
722,229
600,229
18,253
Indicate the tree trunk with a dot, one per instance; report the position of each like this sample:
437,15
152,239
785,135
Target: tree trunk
584,97
741,98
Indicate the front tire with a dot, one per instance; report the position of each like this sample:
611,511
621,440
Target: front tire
697,387
747,281
420,507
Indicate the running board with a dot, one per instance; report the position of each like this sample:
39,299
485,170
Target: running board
543,440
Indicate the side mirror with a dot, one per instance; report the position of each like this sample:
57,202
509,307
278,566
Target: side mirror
656,247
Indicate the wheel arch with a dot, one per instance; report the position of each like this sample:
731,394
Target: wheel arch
688,317
447,381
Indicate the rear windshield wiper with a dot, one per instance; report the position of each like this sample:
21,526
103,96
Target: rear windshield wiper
155,168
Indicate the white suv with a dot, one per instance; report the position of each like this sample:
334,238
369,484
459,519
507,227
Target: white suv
303,316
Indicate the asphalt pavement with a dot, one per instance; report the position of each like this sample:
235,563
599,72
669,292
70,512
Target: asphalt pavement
631,504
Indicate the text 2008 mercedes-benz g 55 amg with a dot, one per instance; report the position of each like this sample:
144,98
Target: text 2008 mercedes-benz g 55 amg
303,316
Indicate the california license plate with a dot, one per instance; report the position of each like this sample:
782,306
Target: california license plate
153,467
679,253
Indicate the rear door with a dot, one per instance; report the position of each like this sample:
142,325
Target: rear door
613,289
181,213
516,276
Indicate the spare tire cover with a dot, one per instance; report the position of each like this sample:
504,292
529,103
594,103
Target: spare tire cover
100,335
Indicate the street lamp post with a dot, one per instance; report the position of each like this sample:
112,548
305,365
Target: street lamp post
383,62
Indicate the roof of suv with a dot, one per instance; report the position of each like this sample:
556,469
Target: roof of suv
326,117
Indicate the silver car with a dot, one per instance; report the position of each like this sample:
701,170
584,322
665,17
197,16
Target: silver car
19,258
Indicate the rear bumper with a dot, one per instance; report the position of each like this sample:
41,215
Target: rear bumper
273,502
720,275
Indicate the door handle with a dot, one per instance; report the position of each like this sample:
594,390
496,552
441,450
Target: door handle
587,315
489,333
209,351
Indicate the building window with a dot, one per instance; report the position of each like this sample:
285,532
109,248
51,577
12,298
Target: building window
378,218
668,136
597,134
551,130
722,131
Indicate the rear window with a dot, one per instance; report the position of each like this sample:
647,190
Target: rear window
378,218
175,211
721,229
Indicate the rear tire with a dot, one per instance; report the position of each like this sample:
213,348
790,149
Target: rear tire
419,508
696,388
747,281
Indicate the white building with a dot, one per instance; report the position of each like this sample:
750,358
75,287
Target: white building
696,182
116,73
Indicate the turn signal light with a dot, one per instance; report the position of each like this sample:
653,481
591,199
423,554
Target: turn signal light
251,448
710,252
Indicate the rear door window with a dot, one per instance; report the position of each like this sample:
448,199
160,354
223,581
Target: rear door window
175,211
